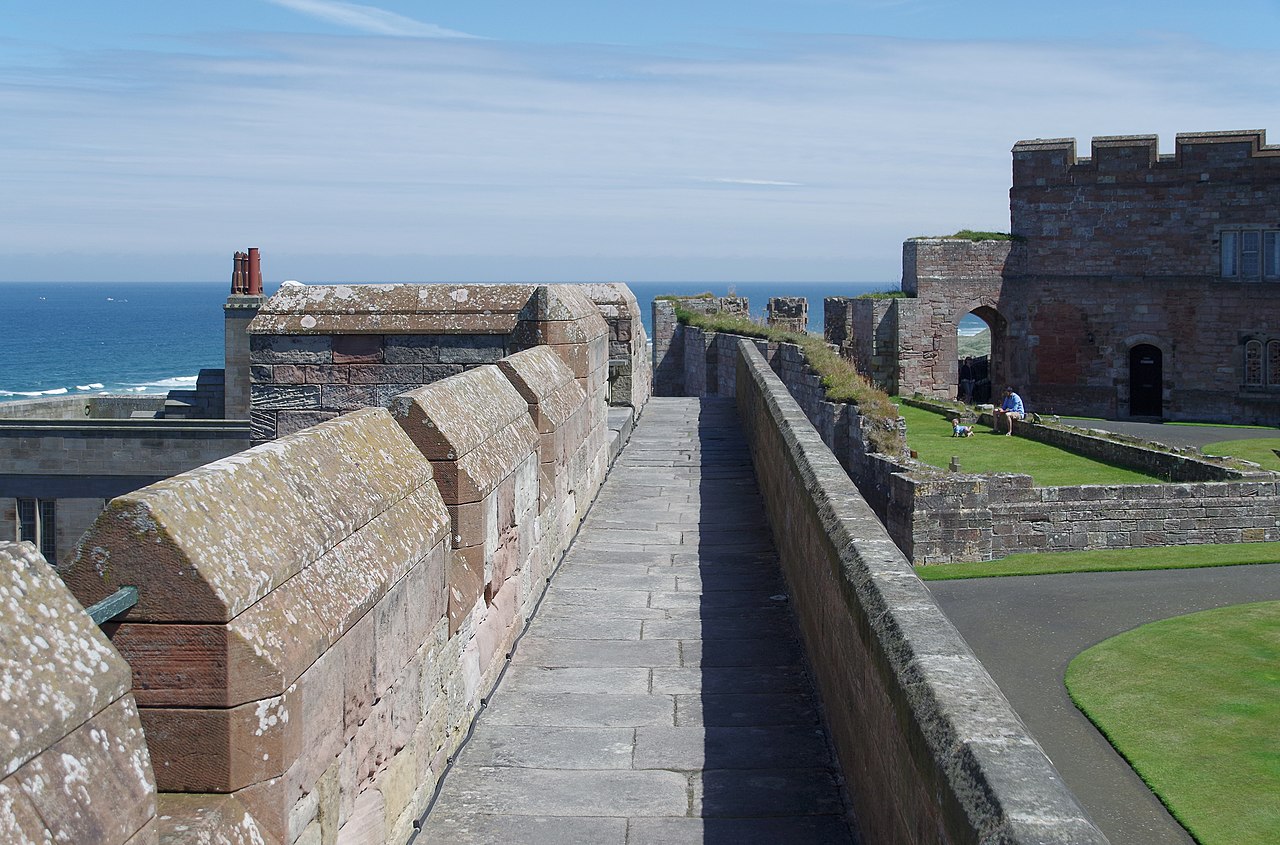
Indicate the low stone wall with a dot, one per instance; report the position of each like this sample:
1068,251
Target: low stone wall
80,407
73,762
930,748
320,615
1173,464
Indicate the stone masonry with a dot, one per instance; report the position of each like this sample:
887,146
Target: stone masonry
1116,258
789,313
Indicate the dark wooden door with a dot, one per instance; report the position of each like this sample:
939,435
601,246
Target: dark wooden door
1146,381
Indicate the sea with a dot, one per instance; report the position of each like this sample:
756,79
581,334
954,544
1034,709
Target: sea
86,338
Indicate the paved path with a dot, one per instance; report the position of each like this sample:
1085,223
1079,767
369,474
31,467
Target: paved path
1175,435
657,696
1026,630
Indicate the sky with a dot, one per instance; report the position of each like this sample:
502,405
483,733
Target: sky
509,140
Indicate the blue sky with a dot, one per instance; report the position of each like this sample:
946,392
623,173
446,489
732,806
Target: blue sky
497,140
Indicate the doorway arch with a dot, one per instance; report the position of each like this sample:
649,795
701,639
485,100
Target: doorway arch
1146,381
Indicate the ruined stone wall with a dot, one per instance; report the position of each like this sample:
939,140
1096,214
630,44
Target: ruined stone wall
930,749
73,762
630,363
320,616
673,374
789,313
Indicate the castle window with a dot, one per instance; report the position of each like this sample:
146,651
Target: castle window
37,524
1250,254
1273,363
1253,364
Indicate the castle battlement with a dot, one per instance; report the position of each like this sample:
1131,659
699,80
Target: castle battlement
1198,157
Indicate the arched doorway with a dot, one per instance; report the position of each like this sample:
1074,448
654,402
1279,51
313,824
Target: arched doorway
979,336
1146,381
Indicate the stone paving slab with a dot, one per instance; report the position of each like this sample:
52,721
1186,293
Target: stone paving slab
522,679
659,695
833,830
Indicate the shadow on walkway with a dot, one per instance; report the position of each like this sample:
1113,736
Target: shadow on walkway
659,696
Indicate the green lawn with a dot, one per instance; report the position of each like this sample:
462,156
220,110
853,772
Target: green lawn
930,436
1107,560
1259,451
1193,703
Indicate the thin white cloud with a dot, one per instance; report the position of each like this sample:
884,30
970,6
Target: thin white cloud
761,183
368,19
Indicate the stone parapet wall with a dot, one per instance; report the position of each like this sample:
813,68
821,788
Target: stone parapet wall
319,616
630,365
673,373
930,749
80,408
1081,216
73,762
324,350
116,447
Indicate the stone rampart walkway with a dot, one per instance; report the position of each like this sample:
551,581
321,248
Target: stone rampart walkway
658,696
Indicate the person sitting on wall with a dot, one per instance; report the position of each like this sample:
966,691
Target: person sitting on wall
958,430
1010,409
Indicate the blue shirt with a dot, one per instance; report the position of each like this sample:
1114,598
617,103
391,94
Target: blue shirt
1013,402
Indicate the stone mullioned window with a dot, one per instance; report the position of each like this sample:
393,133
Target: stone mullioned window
1250,254
1261,364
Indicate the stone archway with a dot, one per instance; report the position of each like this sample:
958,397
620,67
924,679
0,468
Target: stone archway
987,370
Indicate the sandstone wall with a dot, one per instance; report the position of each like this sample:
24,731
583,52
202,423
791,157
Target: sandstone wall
1112,252
630,364
73,762
931,750
320,615
323,350
1129,212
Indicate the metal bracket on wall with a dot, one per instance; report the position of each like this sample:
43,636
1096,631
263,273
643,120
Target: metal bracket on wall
113,605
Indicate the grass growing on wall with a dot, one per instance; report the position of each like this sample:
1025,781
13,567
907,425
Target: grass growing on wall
1193,703
1108,560
840,379
929,435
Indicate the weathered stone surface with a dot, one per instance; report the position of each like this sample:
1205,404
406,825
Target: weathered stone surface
290,348
206,820
475,427
915,685
392,309
301,495
56,668
94,784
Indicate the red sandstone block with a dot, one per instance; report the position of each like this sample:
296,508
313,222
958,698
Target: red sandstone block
353,349
465,576
359,666
221,750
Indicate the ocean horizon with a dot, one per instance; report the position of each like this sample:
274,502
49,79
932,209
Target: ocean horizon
146,338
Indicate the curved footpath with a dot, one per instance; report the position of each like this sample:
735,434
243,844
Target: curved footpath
1026,630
